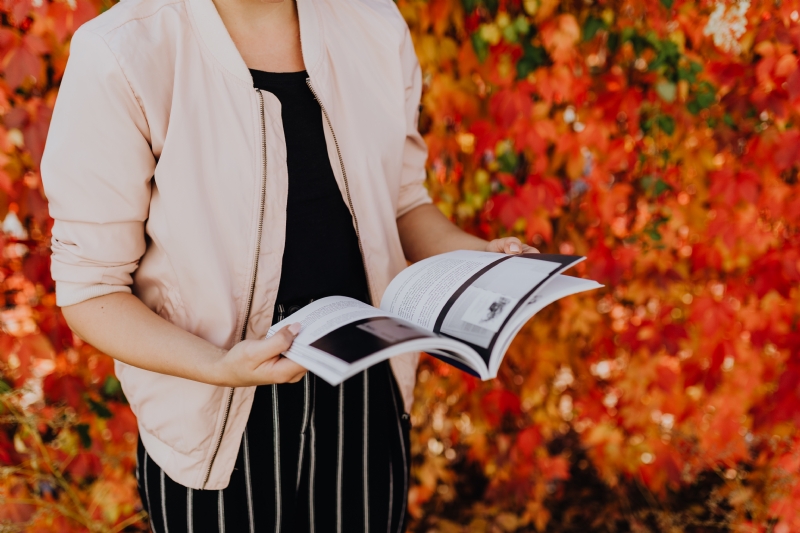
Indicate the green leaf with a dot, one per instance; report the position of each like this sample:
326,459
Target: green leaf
639,43
532,58
510,33
728,119
666,124
470,5
667,90
613,42
4,387
83,433
706,99
112,388
521,25
99,408
507,161
480,46
591,27
659,187
667,3
667,59
626,35
652,38
654,187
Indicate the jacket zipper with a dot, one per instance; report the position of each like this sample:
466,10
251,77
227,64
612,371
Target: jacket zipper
243,332
346,184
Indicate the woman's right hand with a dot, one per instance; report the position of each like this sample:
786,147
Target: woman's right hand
258,362
120,325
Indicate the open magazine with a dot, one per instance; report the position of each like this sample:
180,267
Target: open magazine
463,307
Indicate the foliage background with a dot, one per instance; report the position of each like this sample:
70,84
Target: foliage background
659,138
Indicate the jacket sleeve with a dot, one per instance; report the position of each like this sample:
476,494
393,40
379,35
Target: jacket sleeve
412,187
96,170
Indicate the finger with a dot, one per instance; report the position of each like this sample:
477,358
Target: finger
280,370
298,377
529,250
512,245
502,245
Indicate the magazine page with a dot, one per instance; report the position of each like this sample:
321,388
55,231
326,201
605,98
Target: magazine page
469,295
341,336
478,312
559,287
419,293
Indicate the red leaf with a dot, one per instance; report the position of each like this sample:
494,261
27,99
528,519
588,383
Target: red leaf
21,64
64,388
85,465
123,422
731,188
486,137
713,317
793,84
528,440
498,403
560,36
787,153
508,105
714,374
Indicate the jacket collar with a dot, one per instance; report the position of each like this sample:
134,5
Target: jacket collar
215,36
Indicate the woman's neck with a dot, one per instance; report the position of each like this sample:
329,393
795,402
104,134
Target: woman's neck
266,32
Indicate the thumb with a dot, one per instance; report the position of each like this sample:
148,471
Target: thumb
282,340
506,245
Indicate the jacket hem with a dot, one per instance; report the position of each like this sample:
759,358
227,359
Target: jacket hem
182,469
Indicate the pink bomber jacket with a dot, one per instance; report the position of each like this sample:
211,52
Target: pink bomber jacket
166,175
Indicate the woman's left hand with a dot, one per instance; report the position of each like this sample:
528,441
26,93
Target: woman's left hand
510,245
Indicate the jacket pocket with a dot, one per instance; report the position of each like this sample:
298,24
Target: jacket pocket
179,412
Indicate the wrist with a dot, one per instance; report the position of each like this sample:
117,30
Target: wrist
212,368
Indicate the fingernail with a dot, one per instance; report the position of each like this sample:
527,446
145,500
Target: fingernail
514,247
294,329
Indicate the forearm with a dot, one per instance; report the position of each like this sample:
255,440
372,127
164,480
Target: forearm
425,231
120,325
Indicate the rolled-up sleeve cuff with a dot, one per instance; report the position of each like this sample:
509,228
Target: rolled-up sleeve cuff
412,197
70,293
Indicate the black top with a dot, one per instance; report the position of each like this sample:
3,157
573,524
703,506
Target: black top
321,257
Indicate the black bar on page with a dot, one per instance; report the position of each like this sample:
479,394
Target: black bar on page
362,338
437,326
565,261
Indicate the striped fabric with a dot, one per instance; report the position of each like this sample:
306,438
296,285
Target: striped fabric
314,458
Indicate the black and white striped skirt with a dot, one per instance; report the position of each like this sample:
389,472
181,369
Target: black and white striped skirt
313,458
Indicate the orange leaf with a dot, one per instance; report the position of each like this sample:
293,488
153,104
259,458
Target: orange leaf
560,37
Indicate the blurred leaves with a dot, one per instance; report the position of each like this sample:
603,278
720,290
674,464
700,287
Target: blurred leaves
627,133
67,440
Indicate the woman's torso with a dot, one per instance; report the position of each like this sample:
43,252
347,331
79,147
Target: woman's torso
189,149
321,256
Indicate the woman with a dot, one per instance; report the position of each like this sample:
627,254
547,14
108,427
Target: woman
211,167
